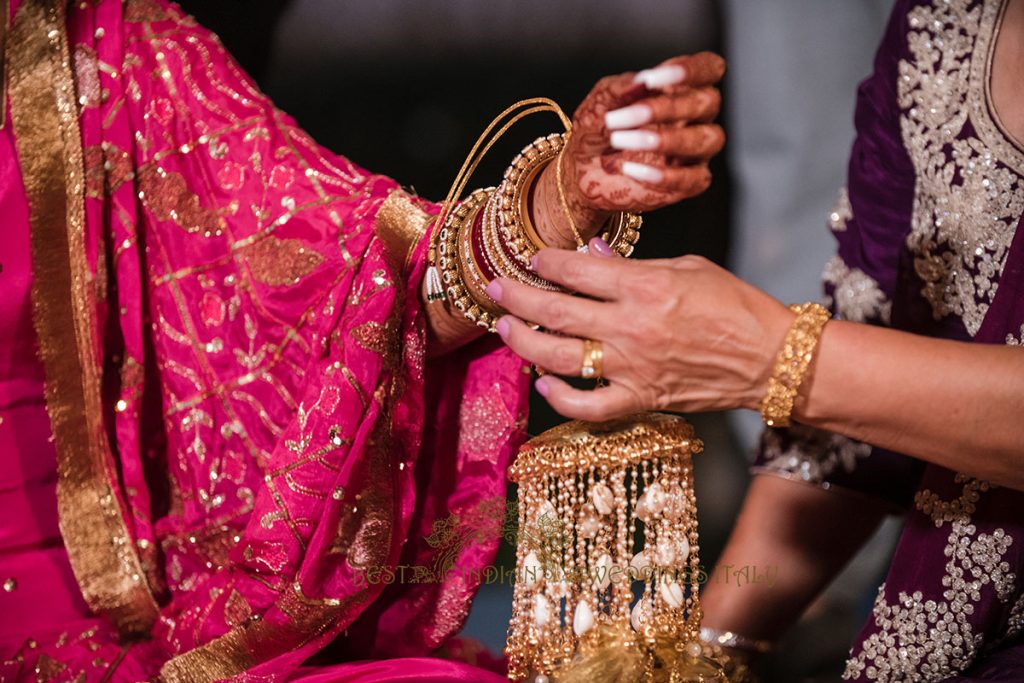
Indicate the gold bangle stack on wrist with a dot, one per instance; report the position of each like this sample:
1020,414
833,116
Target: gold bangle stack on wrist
491,235
792,363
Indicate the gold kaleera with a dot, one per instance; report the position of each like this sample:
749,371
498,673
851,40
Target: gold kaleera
608,575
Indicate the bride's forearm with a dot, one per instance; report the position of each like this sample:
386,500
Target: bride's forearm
549,214
955,404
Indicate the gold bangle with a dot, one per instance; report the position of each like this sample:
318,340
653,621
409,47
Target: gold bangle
453,271
534,241
580,244
792,363
517,228
623,232
498,260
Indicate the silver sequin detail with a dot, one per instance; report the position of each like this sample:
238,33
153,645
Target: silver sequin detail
857,296
967,198
812,455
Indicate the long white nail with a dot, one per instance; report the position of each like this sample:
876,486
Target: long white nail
639,140
661,76
628,117
642,172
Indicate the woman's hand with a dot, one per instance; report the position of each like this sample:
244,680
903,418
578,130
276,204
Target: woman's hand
678,334
640,141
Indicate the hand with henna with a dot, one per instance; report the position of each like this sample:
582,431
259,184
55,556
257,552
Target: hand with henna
640,141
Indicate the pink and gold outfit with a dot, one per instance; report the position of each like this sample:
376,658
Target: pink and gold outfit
218,414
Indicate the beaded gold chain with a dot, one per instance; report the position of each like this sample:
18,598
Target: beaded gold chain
592,602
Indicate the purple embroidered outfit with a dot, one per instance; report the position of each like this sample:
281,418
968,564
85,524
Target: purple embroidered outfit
928,243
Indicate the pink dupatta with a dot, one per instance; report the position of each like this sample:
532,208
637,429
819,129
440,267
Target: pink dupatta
230,321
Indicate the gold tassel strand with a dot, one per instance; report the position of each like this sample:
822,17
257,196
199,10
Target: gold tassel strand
585,491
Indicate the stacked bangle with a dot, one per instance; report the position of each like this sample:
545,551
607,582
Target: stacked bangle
621,232
491,235
792,363
455,270
517,228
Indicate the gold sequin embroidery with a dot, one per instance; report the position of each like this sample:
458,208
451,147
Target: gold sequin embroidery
278,262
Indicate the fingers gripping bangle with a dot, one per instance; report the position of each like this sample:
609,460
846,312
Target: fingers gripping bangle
792,363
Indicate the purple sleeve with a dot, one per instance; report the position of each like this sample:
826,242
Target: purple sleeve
862,282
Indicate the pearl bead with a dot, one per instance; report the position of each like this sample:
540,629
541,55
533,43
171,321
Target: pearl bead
654,498
682,549
583,619
604,499
642,513
694,649
665,554
672,594
675,504
590,526
541,611
547,511
640,613
640,561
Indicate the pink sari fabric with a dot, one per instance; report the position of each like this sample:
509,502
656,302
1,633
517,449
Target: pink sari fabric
276,432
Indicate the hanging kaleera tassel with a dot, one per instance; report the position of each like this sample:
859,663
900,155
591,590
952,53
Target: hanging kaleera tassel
608,574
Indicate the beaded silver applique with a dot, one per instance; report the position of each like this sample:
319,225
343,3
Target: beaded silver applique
841,213
856,295
968,194
811,455
922,640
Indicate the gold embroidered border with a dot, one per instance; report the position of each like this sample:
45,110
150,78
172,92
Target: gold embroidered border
400,225
256,641
45,120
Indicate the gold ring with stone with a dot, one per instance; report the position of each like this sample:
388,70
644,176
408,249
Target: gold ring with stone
593,359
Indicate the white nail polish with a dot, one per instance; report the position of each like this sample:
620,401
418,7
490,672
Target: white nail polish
661,76
637,140
641,172
628,117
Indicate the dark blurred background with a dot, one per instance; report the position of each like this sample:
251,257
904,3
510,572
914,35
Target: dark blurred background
404,88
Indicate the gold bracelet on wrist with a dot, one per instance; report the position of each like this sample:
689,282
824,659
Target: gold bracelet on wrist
622,230
464,256
792,363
